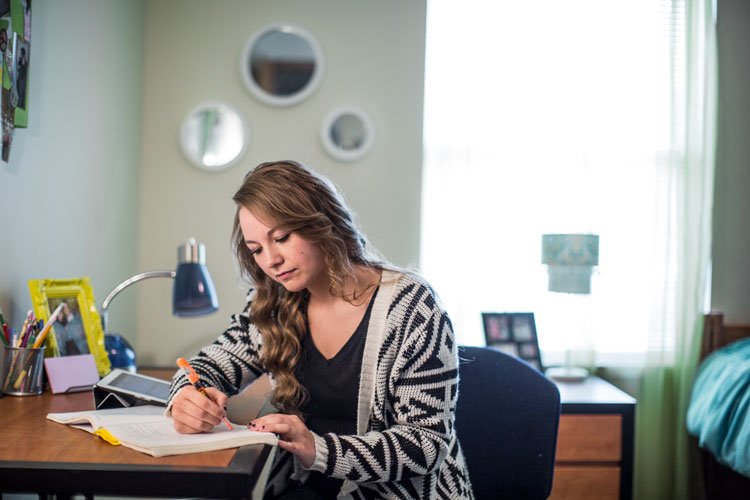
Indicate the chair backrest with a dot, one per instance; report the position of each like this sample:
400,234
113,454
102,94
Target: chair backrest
507,418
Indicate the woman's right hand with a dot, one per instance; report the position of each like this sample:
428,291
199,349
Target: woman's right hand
193,412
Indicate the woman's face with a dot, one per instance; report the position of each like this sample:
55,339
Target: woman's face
284,256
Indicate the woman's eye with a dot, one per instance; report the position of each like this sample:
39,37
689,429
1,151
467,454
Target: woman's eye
254,252
283,238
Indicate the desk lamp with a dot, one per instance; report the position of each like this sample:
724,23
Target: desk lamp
193,294
570,260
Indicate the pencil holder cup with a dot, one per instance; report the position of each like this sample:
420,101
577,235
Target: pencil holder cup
23,369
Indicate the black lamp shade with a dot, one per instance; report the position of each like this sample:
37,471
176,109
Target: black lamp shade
194,293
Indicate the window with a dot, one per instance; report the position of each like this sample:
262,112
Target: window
555,117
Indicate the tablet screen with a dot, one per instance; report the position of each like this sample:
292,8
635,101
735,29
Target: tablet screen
157,389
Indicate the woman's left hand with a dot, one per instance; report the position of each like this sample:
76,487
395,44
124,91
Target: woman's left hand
294,436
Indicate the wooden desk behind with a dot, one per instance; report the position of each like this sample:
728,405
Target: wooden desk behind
38,455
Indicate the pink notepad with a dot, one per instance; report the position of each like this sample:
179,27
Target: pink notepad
71,373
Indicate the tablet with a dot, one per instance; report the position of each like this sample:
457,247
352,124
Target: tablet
139,386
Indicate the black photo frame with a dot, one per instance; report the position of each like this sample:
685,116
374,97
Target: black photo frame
514,334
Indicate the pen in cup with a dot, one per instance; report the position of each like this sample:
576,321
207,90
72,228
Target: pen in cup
43,334
193,377
23,329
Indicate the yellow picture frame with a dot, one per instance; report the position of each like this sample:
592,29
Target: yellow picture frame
47,294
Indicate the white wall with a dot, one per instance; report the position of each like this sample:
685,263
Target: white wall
731,239
69,194
374,59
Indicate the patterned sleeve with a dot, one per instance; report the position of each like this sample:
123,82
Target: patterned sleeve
420,400
231,362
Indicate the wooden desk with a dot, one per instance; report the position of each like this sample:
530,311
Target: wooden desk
38,455
595,442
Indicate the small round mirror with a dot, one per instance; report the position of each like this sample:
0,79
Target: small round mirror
281,64
214,136
347,134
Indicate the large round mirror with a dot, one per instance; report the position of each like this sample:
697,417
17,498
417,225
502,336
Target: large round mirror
347,134
281,64
214,136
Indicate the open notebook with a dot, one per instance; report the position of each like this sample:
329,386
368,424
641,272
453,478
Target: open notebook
146,429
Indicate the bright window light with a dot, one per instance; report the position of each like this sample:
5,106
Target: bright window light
554,117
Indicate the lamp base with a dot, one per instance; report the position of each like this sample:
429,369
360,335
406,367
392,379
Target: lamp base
120,352
567,373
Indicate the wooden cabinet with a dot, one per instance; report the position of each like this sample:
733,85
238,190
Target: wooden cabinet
595,442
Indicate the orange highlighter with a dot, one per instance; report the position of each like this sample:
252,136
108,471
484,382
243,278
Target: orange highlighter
197,384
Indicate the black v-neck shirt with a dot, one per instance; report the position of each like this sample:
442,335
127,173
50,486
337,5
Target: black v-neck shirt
333,391
333,384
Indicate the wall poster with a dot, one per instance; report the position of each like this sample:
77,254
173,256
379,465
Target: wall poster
15,52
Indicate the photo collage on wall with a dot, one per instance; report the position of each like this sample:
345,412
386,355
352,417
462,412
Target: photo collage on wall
514,334
15,48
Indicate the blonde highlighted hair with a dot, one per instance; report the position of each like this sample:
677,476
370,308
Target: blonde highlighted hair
288,195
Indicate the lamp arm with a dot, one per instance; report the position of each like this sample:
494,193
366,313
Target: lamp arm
127,283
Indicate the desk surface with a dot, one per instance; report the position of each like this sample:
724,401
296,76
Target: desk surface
37,454
592,390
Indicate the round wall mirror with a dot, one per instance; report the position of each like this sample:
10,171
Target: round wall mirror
347,134
282,64
214,136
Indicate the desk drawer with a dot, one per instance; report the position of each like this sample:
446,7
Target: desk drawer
589,438
586,483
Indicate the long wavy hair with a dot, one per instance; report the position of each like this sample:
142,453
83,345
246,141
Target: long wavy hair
288,195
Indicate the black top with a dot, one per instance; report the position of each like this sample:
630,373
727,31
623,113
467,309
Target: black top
333,388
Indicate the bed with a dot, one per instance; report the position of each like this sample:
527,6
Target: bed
719,410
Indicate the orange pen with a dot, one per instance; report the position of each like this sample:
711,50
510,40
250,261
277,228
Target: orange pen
193,377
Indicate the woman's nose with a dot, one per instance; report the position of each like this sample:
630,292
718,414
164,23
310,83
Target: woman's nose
273,258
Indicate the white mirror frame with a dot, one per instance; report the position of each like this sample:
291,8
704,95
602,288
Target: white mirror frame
334,149
261,93
187,146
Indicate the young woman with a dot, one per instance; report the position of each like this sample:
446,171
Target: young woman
361,357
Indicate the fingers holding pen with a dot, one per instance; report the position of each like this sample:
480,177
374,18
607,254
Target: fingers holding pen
200,401
220,398
193,412
194,379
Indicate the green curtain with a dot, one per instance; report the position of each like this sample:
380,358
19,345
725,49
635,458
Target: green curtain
666,465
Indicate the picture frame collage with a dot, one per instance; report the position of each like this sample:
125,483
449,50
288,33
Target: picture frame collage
514,334
15,53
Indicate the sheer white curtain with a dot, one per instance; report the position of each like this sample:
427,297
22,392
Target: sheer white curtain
556,117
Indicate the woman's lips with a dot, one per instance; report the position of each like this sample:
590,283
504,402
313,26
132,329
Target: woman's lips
285,275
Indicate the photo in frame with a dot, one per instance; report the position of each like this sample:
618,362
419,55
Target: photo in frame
77,329
514,334
7,111
19,74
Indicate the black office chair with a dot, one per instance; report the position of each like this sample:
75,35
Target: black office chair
507,417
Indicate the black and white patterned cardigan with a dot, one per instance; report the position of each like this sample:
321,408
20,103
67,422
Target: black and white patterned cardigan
406,445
